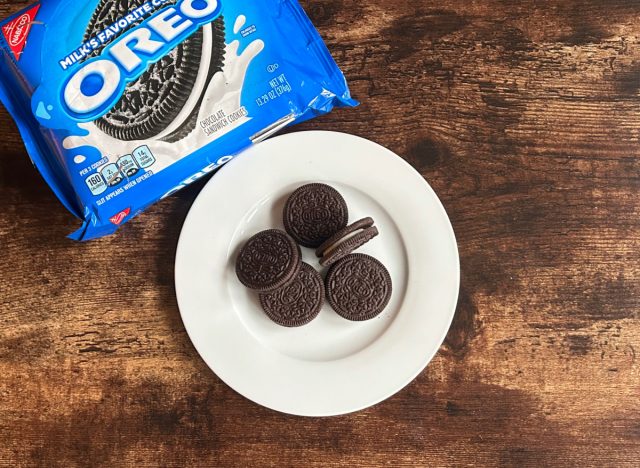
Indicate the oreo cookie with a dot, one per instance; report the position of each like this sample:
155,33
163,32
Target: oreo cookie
299,302
346,241
268,261
314,213
164,102
358,287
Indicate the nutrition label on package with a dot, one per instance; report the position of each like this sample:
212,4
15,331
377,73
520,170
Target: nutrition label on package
114,173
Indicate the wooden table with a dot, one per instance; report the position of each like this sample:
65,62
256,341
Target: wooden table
523,116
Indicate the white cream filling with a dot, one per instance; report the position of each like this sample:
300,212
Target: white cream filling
333,247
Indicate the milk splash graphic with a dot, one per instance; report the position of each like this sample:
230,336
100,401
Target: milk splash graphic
240,22
223,93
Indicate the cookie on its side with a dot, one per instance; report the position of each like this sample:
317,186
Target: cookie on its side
346,241
347,247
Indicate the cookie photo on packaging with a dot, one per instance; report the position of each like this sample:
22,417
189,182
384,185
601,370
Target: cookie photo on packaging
164,101
121,103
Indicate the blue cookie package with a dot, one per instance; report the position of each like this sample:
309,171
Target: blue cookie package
124,102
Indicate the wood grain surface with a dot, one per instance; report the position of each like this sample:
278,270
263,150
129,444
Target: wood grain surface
525,118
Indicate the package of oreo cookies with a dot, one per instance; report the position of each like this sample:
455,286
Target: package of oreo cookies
124,102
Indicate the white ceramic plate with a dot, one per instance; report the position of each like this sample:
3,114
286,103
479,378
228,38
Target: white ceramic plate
331,366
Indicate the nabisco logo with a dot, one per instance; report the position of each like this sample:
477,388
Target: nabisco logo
17,31
117,219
